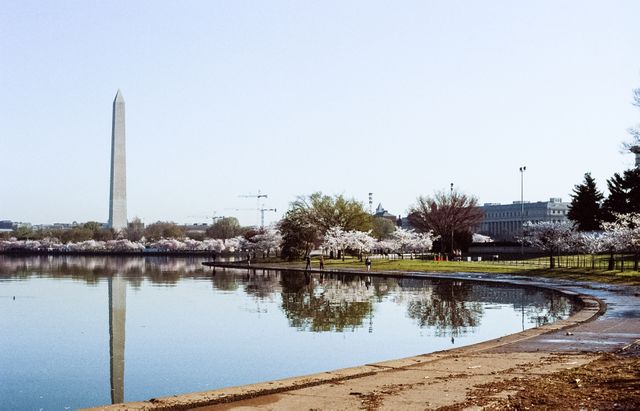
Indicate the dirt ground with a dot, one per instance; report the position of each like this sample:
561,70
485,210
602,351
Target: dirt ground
611,382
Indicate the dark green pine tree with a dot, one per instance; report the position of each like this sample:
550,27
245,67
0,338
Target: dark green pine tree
586,205
632,185
617,200
624,194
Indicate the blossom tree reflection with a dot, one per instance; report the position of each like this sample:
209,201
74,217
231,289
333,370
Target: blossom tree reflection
446,308
332,306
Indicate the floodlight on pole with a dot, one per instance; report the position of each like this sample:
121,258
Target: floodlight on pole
452,226
522,170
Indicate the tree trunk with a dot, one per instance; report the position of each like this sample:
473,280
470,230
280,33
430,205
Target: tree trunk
612,263
552,261
635,262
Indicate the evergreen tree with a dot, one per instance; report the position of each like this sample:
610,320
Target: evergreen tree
586,205
624,194
632,184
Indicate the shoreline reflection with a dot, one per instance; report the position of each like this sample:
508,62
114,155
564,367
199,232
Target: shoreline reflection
193,328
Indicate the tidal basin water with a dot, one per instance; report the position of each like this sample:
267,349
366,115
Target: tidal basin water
87,331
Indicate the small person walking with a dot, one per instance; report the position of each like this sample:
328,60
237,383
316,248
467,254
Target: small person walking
367,262
308,263
322,262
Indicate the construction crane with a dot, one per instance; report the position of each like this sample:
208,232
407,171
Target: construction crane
260,210
257,197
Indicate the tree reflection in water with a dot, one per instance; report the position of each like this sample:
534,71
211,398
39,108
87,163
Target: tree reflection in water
318,303
446,308
551,309
331,305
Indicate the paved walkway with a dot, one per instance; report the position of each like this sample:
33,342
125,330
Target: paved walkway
609,322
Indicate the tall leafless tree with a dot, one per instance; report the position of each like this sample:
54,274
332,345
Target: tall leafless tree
634,143
446,213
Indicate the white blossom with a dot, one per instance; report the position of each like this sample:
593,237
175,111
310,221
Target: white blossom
335,239
269,239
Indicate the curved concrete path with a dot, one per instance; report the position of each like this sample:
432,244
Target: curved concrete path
609,321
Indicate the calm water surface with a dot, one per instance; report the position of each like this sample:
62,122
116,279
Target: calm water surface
86,331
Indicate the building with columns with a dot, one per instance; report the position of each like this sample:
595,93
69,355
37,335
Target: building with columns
503,222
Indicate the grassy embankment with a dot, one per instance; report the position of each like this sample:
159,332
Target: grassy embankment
532,267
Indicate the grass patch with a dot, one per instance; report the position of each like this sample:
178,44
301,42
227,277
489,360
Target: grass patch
533,267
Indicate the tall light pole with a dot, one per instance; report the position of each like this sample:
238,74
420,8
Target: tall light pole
452,225
522,170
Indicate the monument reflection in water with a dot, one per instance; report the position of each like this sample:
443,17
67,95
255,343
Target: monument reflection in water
117,317
189,328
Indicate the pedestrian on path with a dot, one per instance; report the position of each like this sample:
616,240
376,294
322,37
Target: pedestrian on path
322,262
367,262
308,263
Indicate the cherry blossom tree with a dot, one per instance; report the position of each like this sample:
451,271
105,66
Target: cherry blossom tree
168,244
551,237
266,240
592,243
338,240
423,242
388,246
214,244
234,244
410,241
335,239
360,241
124,245
404,240
625,236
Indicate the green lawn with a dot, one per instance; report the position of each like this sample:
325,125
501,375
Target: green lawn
533,267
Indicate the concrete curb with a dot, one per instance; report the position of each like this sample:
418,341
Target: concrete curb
591,309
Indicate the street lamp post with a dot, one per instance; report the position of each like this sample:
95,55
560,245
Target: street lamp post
452,225
522,170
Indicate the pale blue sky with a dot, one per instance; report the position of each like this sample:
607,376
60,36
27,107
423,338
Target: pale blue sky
225,98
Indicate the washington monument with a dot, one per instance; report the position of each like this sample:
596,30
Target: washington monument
118,191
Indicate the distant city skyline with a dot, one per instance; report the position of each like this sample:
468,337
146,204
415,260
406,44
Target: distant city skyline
289,98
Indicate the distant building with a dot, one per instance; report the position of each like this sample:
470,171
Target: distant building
6,225
382,213
503,222
195,227
403,222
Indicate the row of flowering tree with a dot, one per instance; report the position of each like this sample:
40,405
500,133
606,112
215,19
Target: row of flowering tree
338,240
53,244
267,240
620,236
